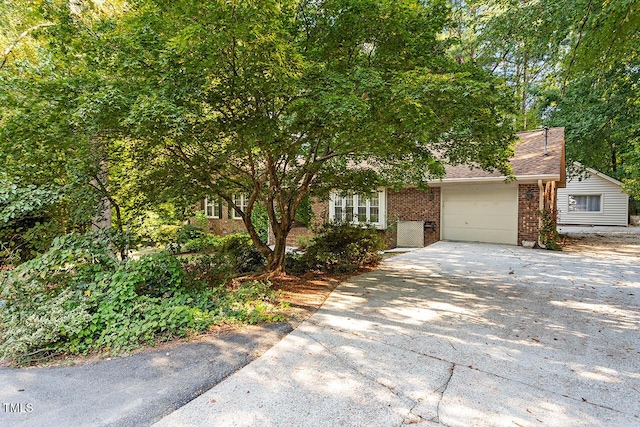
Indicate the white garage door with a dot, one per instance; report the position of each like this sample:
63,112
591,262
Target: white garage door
480,213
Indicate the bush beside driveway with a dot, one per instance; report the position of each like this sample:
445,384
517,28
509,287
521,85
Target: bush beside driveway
454,334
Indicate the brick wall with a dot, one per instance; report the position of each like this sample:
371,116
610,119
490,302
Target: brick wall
224,225
320,213
320,216
411,204
408,204
292,238
528,224
295,233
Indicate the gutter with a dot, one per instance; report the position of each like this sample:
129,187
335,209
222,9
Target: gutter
521,179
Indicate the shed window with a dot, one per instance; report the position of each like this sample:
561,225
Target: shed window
585,203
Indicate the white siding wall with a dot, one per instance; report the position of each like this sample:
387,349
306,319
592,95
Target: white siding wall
615,203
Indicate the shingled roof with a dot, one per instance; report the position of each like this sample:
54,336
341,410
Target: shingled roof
529,160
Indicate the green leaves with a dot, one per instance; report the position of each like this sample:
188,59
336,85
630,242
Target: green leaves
21,202
78,298
184,99
340,248
571,63
602,119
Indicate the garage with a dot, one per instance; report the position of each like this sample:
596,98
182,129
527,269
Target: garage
480,213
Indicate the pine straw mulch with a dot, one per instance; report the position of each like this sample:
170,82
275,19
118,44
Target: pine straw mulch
304,294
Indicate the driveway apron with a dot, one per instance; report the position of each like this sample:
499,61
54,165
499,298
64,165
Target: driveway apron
454,334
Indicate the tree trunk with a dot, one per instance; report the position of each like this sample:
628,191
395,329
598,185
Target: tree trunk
123,247
259,244
276,260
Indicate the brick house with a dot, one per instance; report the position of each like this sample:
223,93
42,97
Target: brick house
467,205
221,219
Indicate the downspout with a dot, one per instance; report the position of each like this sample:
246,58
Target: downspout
540,209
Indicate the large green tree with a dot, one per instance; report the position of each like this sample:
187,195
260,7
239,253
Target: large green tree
601,113
572,63
50,95
552,37
273,99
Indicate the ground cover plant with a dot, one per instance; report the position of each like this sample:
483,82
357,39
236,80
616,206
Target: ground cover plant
79,297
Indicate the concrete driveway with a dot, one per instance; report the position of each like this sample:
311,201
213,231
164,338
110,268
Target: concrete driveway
456,335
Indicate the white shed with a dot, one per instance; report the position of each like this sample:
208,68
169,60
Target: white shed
596,199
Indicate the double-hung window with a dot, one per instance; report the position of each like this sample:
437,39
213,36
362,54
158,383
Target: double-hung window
240,200
358,208
585,203
212,208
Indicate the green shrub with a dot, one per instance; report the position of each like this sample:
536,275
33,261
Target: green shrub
206,243
303,242
200,220
72,261
340,248
252,302
35,329
189,232
146,228
123,319
154,275
178,238
241,253
44,298
202,271
78,297
166,234
30,218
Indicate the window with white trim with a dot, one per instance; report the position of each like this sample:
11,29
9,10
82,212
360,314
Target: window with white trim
585,203
213,208
358,208
240,200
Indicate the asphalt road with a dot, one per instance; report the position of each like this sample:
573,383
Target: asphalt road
130,391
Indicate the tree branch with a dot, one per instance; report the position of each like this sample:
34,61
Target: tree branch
575,49
25,33
502,59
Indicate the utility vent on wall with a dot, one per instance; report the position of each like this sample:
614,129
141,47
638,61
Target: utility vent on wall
410,234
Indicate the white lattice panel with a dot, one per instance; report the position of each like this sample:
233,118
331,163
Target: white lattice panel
410,234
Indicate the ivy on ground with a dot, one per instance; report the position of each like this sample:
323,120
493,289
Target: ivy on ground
79,297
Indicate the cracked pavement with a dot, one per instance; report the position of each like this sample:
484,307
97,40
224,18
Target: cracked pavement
454,334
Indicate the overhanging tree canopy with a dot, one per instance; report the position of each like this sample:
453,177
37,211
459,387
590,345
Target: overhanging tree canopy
280,99
572,63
